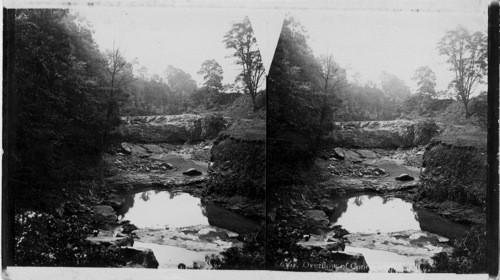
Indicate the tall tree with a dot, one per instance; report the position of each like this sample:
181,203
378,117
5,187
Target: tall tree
119,76
241,39
466,56
426,80
333,78
212,74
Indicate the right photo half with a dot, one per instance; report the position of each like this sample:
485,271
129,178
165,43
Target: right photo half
377,142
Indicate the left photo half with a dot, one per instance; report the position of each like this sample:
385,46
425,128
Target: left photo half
133,137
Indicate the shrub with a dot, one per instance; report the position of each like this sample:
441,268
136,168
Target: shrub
43,240
469,255
425,130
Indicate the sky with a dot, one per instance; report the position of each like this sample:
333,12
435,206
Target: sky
364,42
158,37
370,42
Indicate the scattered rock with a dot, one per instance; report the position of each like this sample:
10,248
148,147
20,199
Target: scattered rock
140,257
192,172
404,177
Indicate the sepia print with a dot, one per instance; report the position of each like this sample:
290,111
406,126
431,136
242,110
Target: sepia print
161,138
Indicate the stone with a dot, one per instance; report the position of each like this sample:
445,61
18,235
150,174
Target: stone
339,232
166,165
133,149
126,149
378,171
104,214
338,153
139,257
128,228
404,177
231,234
443,239
192,172
335,246
126,241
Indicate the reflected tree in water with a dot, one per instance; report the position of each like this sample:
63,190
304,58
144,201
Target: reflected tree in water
359,200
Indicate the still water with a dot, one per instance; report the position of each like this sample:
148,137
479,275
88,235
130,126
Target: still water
161,209
373,213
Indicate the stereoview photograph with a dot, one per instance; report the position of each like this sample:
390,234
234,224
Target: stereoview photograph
136,138
157,138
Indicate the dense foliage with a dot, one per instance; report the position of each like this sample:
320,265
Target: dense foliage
43,240
469,255
60,83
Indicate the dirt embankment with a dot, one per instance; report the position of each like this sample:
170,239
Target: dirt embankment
237,175
383,134
171,129
455,173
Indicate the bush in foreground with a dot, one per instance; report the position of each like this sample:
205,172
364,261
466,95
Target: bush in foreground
469,255
44,240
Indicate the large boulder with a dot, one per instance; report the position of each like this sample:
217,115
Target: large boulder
103,214
139,257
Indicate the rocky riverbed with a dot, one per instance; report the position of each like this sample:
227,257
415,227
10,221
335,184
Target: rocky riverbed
368,197
158,173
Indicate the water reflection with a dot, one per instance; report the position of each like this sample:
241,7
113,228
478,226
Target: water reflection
370,213
158,209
